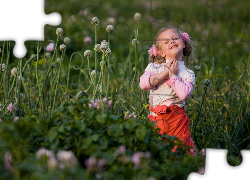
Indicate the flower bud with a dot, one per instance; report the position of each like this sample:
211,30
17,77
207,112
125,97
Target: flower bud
66,40
102,63
137,16
58,60
13,71
95,21
87,54
103,47
99,87
97,48
104,42
59,31
108,52
93,73
62,47
134,41
4,67
197,68
110,28
206,83
47,54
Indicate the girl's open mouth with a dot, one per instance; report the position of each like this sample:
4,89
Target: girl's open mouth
173,46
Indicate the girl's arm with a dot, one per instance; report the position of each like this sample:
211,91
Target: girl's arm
149,80
145,81
183,89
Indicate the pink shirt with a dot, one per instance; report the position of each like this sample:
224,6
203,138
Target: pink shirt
183,89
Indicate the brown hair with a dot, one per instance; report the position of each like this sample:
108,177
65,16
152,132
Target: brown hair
188,51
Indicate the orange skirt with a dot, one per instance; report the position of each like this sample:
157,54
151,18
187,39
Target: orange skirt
173,121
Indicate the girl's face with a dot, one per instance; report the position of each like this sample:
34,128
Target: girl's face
171,45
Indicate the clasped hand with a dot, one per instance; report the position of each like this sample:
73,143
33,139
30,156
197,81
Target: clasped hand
171,67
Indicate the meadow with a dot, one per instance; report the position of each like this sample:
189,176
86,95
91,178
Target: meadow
83,102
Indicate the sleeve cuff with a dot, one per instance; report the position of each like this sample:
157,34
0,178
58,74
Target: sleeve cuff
171,80
149,81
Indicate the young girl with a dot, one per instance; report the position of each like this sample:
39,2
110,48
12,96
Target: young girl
170,83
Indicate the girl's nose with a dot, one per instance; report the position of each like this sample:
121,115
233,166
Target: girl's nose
172,40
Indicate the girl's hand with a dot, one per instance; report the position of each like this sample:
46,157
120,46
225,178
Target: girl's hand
167,66
173,68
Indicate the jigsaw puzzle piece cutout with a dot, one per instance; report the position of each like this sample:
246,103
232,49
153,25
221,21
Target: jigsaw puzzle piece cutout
218,168
27,24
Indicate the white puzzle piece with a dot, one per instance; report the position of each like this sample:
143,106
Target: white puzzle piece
24,21
217,167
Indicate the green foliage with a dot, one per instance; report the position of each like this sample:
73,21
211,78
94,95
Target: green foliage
89,132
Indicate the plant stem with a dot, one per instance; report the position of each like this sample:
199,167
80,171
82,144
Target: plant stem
55,50
38,82
19,88
197,119
57,82
95,65
108,71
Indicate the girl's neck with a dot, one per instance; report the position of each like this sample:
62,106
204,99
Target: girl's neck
179,58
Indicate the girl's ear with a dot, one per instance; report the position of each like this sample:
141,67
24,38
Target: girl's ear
162,53
183,44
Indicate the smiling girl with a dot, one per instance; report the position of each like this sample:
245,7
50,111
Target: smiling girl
170,83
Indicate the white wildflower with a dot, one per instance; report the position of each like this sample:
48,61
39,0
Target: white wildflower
4,67
87,54
52,163
108,52
67,159
97,48
104,42
95,21
93,73
134,41
102,63
110,28
13,71
103,47
99,87
197,68
137,16
47,54
42,151
62,47
58,60
59,31
66,40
